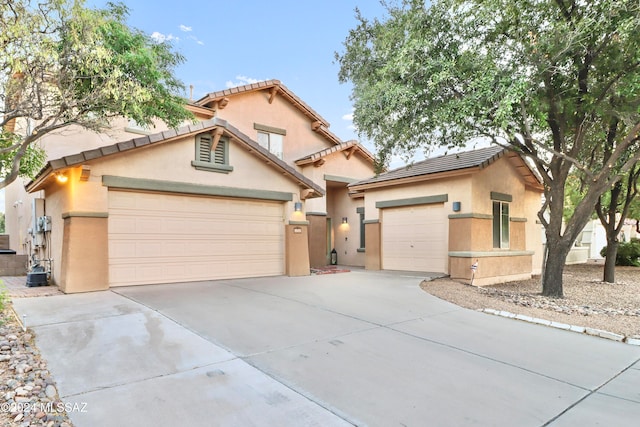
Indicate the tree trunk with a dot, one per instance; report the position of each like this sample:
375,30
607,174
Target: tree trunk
557,252
610,261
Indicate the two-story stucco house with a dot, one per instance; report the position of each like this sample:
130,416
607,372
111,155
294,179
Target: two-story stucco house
259,186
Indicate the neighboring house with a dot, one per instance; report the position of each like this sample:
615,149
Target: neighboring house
444,214
594,238
257,187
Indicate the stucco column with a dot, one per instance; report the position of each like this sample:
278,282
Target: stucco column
373,258
297,249
317,239
85,252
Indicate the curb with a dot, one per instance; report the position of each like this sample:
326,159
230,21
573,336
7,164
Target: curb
573,328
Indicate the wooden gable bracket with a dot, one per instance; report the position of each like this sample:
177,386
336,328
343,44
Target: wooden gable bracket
86,173
315,126
272,94
215,137
350,151
220,104
306,193
318,163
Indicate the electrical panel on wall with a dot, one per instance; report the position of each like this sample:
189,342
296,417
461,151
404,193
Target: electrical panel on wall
44,224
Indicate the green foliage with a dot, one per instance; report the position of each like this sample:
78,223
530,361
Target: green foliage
628,253
443,74
64,64
557,81
2,223
4,297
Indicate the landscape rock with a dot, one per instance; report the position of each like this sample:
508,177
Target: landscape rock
27,389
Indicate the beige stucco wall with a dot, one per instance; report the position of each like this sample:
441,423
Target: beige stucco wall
172,162
296,252
499,177
243,110
474,235
470,229
534,229
87,202
345,237
457,188
337,204
67,141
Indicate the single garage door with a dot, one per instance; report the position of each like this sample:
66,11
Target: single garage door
162,238
414,238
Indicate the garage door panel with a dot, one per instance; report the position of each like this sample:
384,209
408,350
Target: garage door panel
414,238
160,238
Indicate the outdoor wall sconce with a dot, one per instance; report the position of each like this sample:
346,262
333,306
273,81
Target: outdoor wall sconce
297,206
456,206
61,178
344,220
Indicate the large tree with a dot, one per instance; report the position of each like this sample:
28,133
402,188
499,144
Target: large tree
613,208
544,78
64,64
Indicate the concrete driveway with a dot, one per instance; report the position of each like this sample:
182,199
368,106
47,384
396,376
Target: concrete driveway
357,348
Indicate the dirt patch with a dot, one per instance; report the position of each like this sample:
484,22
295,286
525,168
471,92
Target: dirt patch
588,302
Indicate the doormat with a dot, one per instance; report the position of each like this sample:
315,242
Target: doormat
329,269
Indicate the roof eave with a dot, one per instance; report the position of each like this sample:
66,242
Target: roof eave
88,156
412,179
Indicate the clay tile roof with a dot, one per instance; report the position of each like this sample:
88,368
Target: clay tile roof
168,135
322,127
449,162
336,148
267,84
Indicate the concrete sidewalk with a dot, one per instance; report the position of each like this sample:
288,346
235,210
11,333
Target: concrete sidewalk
357,348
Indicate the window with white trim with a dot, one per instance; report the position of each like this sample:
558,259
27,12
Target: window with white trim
135,127
500,225
271,138
272,142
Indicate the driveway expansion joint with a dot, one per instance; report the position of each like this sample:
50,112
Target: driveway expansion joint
595,391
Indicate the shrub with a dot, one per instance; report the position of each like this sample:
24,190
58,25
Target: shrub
628,253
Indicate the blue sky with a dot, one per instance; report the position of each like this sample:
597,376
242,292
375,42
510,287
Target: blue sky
229,43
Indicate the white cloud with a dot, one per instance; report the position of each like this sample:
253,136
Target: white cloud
161,38
242,80
185,28
348,117
197,40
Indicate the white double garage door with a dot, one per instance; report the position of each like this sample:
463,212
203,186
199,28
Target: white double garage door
166,238
415,238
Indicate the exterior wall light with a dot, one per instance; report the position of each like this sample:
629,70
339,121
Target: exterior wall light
297,206
61,177
344,220
456,206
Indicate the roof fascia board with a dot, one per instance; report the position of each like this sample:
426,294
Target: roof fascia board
414,179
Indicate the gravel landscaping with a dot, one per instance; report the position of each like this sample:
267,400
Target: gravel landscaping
587,302
28,395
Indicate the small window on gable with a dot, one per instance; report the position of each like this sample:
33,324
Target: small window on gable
215,159
271,138
135,127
